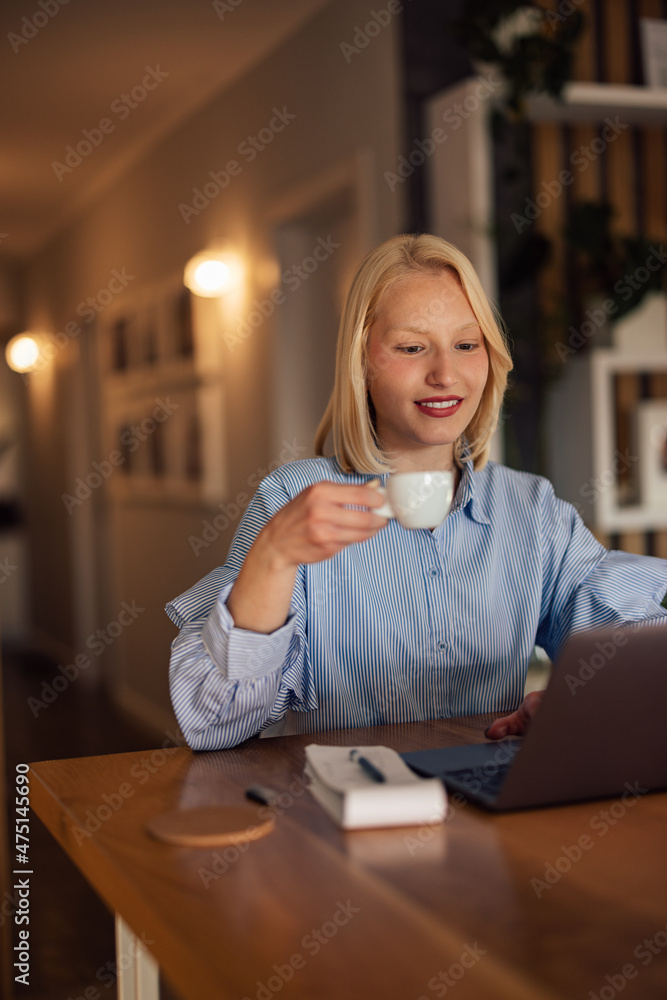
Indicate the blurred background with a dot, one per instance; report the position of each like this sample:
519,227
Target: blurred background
283,141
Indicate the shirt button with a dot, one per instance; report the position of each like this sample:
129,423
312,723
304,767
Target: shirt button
443,646
433,571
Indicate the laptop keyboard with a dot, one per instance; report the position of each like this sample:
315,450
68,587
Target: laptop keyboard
481,779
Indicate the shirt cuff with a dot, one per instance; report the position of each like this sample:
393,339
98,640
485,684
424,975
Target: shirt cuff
240,654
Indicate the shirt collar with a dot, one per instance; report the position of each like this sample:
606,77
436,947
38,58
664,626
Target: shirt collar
465,494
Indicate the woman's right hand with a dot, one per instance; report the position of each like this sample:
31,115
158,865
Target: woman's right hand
318,523
314,526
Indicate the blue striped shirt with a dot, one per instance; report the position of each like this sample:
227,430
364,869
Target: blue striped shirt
406,626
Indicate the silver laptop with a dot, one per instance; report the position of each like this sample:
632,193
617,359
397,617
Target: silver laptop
600,731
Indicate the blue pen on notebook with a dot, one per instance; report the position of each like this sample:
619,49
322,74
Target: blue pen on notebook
364,763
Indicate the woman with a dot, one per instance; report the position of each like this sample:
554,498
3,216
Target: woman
327,615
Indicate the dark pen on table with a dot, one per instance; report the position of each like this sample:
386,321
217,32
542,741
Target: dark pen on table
261,793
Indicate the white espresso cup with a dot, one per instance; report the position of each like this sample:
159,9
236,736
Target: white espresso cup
417,499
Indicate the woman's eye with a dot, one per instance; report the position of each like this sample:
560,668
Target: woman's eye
411,349
467,346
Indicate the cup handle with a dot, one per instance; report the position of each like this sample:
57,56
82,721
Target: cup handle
385,510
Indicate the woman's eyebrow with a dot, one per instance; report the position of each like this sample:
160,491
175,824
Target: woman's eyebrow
470,328
408,329
473,325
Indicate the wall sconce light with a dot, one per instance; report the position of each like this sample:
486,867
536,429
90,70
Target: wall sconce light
23,352
212,273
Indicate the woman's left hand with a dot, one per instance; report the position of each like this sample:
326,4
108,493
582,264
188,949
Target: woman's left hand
517,723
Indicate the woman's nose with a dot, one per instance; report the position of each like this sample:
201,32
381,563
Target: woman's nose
443,370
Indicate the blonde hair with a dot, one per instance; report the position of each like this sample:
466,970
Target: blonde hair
348,415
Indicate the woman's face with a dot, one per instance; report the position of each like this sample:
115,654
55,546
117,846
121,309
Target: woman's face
427,368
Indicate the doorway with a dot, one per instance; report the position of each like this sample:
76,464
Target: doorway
318,249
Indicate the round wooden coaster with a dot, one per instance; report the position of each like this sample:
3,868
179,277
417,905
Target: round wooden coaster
210,826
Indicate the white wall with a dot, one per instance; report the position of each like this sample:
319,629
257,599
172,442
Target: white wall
347,123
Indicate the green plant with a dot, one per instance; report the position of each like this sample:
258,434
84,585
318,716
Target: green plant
531,46
617,267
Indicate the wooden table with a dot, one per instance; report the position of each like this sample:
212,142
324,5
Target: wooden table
544,903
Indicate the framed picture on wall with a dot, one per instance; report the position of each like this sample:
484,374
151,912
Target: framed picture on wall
120,334
150,338
652,452
183,343
163,407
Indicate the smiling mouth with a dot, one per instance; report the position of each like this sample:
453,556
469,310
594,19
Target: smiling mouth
444,404
439,408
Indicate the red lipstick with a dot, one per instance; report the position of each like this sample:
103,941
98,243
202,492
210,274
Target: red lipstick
445,406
